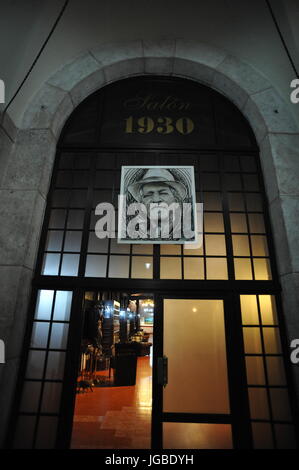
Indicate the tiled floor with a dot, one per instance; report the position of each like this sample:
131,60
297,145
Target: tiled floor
115,417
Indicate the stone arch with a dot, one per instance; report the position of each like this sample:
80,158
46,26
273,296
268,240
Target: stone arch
29,169
252,93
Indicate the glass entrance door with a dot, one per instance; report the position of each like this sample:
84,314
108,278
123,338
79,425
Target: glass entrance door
200,400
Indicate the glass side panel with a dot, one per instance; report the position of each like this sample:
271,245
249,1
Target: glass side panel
197,369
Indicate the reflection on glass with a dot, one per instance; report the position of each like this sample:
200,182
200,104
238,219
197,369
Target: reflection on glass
197,436
202,349
96,266
193,268
44,304
170,268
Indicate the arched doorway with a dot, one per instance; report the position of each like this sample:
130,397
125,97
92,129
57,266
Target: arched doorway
160,121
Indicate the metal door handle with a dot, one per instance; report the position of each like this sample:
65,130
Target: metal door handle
163,371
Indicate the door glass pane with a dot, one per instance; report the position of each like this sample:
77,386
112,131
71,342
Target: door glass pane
255,370
285,436
39,336
272,340
197,370
252,341
280,404
197,436
51,397
275,369
249,310
258,402
262,436
62,305
44,304
268,309
30,397
59,336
